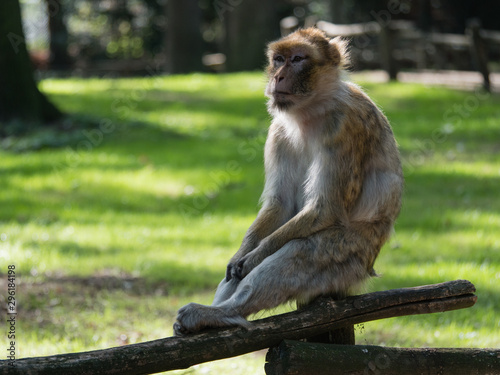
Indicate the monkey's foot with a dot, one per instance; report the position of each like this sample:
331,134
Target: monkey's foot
195,317
179,330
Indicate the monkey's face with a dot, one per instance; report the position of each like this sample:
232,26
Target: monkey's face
301,66
289,77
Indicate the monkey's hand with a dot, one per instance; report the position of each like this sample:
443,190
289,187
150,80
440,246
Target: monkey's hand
232,267
236,269
245,265
229,271
235,265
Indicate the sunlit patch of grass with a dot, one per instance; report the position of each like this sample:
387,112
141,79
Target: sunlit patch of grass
166,193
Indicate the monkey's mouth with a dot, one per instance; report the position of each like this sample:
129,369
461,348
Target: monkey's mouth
283,100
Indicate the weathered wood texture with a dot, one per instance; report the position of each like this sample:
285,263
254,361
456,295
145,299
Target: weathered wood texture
182,352
300,358
342,335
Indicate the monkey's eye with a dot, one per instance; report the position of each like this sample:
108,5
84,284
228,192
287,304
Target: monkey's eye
297,58
279,59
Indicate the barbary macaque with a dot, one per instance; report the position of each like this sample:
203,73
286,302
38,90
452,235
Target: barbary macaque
332,190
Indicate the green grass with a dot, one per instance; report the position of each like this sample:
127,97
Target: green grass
114,232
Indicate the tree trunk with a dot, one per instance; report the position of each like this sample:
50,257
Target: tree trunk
249,25
212,344
184,41
59,58
295,357
19,94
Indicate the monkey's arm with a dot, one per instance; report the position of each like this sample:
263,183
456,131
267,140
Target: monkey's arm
277,198
309,220
331,188
270,217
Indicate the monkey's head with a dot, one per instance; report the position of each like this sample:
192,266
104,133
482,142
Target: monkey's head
302,66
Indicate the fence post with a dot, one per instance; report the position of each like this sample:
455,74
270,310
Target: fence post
479,51
343,335
387,38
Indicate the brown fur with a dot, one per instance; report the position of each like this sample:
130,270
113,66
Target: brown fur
332,193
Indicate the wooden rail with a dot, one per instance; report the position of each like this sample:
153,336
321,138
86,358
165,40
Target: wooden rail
182,352
475,40
297,357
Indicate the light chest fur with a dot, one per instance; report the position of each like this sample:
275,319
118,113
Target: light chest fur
306,156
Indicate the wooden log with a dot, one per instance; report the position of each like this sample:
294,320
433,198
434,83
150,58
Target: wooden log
453,40
491,36
296,357
182,352
343,335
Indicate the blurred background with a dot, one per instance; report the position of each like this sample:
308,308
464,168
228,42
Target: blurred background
124,37
117,38
131,142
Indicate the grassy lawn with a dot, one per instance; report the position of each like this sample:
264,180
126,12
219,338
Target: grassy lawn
139,215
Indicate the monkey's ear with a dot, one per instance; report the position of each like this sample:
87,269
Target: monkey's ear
339,49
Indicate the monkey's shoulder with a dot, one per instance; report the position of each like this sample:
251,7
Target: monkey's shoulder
356,100
361,112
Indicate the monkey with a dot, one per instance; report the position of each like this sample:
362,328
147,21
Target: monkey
332,191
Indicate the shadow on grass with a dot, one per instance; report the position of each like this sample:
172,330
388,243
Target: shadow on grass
158,109
433,194
140,141
94,199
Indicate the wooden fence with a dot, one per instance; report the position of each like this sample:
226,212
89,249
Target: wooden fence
401,40
288,355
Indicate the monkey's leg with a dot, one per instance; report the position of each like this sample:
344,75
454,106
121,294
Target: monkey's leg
225,290
299,270
194,317
233,301
191,317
